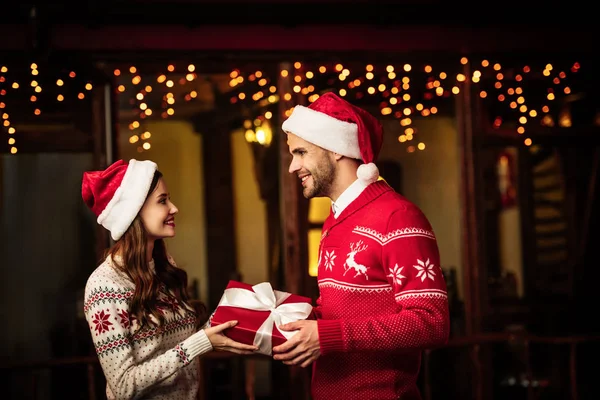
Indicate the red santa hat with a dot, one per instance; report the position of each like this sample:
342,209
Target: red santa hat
336,125
116,195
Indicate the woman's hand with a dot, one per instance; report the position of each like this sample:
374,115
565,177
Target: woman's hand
220,342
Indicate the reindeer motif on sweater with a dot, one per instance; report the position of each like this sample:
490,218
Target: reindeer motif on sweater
351,263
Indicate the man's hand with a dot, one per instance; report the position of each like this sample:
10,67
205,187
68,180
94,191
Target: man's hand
301,349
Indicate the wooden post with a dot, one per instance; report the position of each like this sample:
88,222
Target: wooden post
2,179
470,245
293,205
99,130
573,370
474,274
294,226
266,171
220,222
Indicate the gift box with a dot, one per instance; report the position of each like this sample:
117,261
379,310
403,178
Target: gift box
259,310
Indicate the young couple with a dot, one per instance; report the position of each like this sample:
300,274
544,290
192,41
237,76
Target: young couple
382,293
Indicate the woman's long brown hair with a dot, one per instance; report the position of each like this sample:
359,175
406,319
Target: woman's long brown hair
131,249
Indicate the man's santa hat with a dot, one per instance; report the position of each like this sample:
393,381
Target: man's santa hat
116,195
336,125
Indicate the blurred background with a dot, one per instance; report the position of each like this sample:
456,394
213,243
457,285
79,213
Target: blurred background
492,127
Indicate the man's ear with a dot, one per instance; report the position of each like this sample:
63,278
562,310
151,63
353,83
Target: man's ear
337,156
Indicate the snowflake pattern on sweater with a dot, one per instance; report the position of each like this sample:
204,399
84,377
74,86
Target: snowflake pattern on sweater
382,298
156,362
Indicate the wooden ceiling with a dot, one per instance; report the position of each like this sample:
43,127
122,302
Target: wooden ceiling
137,26
282,12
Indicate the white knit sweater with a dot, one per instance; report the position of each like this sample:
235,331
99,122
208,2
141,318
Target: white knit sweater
154,363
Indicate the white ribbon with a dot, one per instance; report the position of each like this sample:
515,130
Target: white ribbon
264,298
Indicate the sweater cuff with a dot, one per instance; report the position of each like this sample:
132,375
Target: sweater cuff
330,336
197,344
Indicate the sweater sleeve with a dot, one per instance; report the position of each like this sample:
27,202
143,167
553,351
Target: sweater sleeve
411,261
107,313
317,309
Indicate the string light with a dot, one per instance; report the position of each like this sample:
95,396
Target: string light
396,86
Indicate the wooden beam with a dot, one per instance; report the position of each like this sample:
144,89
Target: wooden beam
474,268
295,246
99,148
590,200
220,223
266,167
294,222
2,180
281,12
312,38
323,37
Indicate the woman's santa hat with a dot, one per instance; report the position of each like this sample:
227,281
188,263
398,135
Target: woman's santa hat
336,125
116,195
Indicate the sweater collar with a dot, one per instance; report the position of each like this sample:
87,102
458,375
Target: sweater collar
117,261
348,196
370,193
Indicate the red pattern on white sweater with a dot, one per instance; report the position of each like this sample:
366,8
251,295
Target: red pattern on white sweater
155,362
380,304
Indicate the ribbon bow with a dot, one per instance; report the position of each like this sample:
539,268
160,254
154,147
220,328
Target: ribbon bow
264,298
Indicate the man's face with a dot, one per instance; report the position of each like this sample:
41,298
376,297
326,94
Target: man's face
314,166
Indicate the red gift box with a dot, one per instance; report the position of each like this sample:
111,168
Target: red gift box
252,306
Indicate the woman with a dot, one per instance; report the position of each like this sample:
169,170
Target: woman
141,321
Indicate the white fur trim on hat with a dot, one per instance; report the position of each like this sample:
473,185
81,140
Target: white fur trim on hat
129,198
324,131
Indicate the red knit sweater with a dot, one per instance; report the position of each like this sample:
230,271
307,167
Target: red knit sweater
382,298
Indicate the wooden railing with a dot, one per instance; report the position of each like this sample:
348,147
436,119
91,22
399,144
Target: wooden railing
31,369
472,343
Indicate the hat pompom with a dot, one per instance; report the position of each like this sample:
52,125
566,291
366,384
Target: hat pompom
368,172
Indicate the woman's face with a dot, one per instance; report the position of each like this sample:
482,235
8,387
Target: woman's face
158,213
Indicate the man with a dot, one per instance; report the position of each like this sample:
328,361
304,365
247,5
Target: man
382,294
